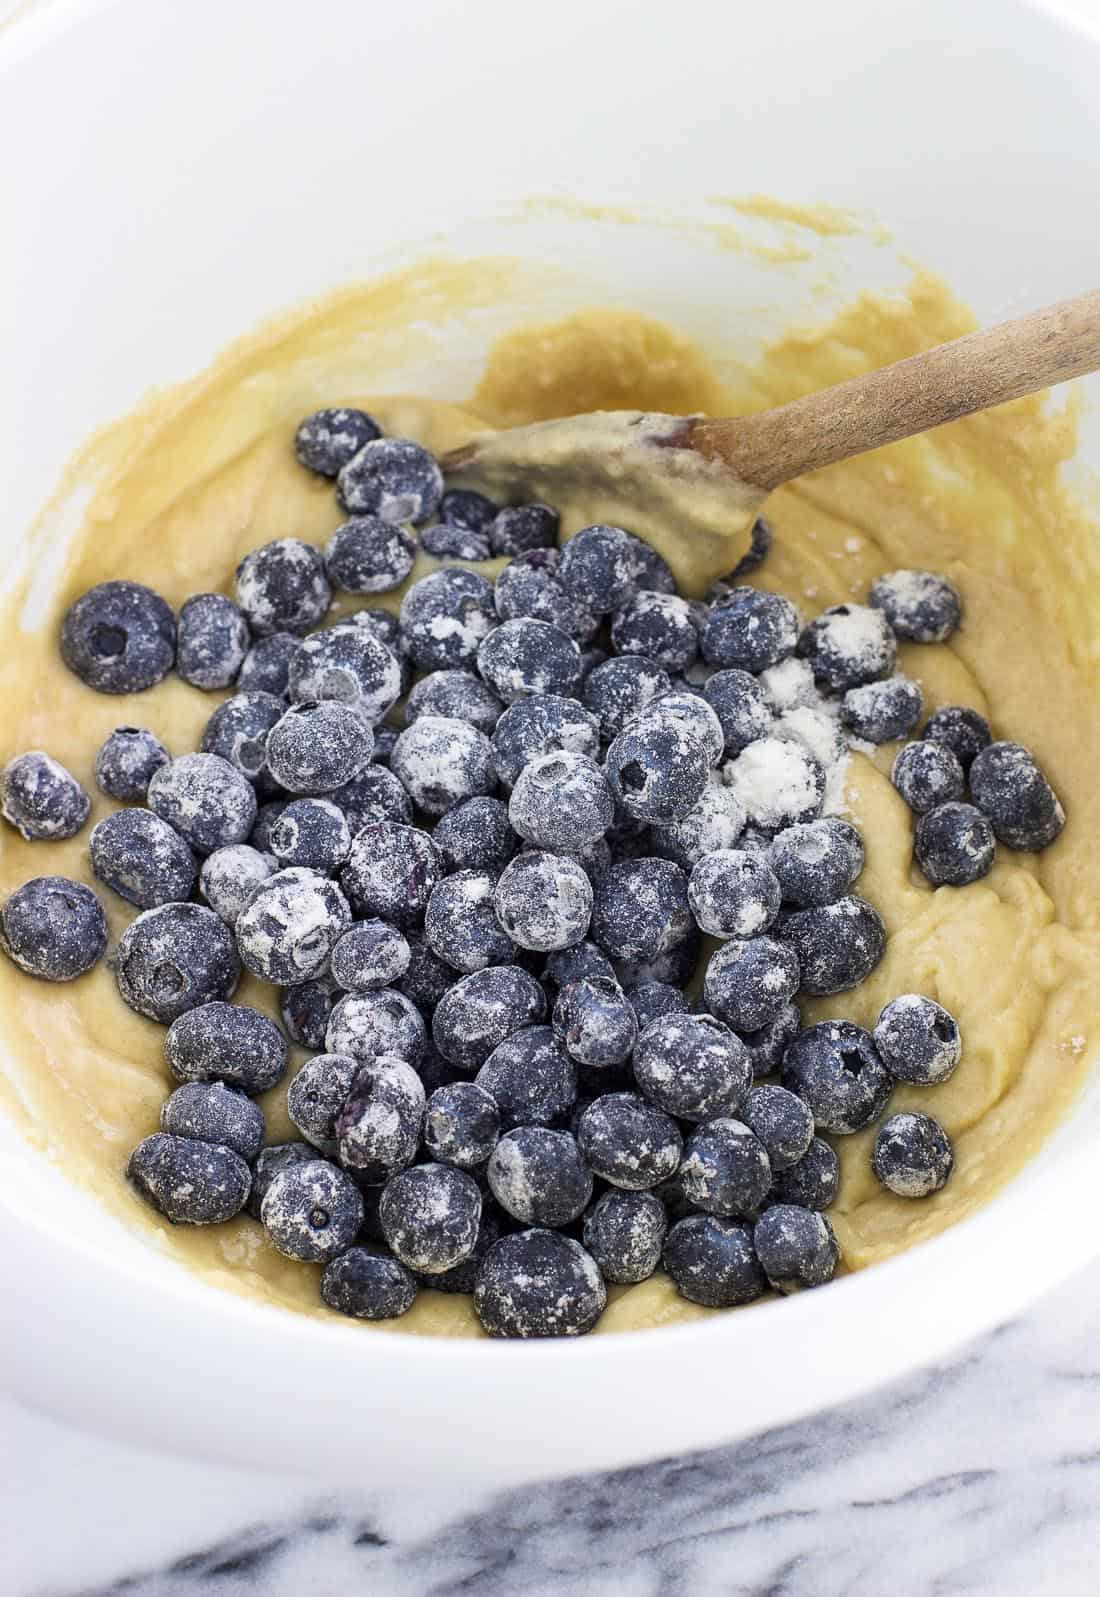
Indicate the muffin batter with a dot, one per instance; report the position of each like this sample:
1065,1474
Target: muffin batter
206,472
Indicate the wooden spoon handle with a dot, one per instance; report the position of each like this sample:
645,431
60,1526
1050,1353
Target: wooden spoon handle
942,384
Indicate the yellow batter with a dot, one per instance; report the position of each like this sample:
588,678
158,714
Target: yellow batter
205,472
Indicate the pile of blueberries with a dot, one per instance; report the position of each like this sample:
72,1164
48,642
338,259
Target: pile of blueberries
485,926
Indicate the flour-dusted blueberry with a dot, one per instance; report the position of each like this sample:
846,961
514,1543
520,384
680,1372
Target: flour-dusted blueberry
561,802
379,1126
349,664
781,1121
656,771
653,1000
461,1125
312,1211
960,729
954,845
212,640
463,507
920,606
761,538
676,963
209,1111
883,711
750,630
205,799
641,909
290,926
739,702
142,858
749,980
715,823
430,1216
519,528
127,761
119,637
524,657
238,731
543,901
767,1045
545,723
312,832
230,1043
282,587
625,1232
778,782
927,774
371,955
230,876
538,1283
53,928
838,945
454,695
599,566
918,1040
269,1161
479,1011
725,1169
305,1009
317,1095
266,667
367,1285
368,1025
393,478
620,689
713,1262
1007,786
579,963
848,645
658,626
175,958
796,1247
693,715
837,1070
441,761
447,541
189,1182
316,748
41,799
913,1156
530,1078
594,1022
628,1142
812,1183
539,1176
692,1066
816,862
460,923
391,872
445,617
734,894
325,441
476,835
374,795
529,585
369,555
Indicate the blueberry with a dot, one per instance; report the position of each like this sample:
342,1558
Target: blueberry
316,748
189,1182
328,439
796,1248
760,543
767,1045
836,1069
629,1142
523,657
230,876
312,1211
462,1278
714,824
350,664
127,761
41,799
530,585
475,1015
305,1008
461,1125
779,783
599,566
269,1161
837,945
238,731
882,711
927,774
212,639
733,894
963,731
311,832
656,771
954,845
119,637
782,1122
816,862
53,928
209,1111
676,964
290,926
546,723
446,541
460,924
369,555
442,761
530,1077
658,626
538,1283
918,1040
519,528
317,1095
205,799
595,858
229,1043
430,1215
692,1066
435,1071
543,901
653,1000
848,645
462,507
282,587
539,1176
738,700
1007,786
578,963
692,715
812,1183
913,1155
725,1170
625,1232
749,980
367,1285
475,835
713,1262
393,478
374,795
379,1126
749,630
652,572
445,617
561,802
368,1025
919,606
266,667
391,871
620,689
640,909
454,695
594,1022
142,858
175,958
370,956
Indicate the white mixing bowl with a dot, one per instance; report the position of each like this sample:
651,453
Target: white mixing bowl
173,173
